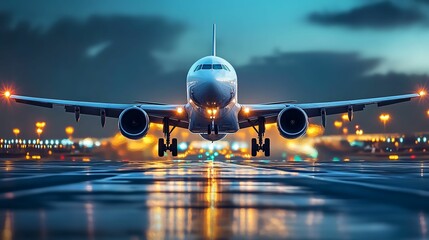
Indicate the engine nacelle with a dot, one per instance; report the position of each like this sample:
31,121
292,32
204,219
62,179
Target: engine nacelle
292,122
133,123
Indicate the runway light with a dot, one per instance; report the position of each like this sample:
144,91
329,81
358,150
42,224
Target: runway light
338,124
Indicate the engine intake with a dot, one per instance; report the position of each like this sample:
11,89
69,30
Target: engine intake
292,122
133,123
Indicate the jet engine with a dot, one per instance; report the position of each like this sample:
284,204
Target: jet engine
133,123
292,122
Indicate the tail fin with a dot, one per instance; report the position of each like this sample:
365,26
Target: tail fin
214,40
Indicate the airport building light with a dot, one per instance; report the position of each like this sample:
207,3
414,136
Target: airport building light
384,118
16,131
69,131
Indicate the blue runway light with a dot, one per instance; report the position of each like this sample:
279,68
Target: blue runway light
183,146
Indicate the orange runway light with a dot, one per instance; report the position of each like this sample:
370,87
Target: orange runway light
384,117
338,124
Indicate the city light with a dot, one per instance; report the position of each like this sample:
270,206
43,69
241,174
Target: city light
345,117
16,131
338,124
384,118
314,130
69,131
40,124
39,132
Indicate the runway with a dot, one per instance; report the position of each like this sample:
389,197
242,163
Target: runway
102,199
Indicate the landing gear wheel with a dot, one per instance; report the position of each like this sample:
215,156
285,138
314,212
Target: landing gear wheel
266,147
254,147
161,147
165,146
260,144
173,147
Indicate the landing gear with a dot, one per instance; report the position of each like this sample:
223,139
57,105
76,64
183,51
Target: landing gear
260,144
213,128
164,146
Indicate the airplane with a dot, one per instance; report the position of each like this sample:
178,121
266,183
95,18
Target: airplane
212,109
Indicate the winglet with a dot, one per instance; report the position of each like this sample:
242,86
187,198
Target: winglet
214,40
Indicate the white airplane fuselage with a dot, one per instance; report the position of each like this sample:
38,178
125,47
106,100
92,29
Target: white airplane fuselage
212,98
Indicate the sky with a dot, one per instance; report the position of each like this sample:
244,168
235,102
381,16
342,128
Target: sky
124,51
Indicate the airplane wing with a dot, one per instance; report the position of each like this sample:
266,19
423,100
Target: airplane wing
251,112
156,112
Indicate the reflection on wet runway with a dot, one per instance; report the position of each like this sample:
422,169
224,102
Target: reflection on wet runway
212,200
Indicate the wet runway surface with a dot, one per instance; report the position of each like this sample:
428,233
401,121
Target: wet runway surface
102,199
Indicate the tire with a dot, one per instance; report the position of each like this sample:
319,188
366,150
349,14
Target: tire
267,147
254,147
173,147
161,147
209,130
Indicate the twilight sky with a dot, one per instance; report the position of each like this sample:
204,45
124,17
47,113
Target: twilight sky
122,51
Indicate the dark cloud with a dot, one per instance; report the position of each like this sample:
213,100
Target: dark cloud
379,15
55,63
423,1
332,76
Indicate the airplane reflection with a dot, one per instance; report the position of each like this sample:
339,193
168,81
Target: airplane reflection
7,232
215,215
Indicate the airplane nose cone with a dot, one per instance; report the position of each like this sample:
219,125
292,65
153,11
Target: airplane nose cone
211,94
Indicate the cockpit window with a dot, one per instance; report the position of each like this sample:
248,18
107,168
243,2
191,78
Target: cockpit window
197,68
207,66
217,66
211,66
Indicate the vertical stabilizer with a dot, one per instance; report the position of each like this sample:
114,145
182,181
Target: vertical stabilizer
214,40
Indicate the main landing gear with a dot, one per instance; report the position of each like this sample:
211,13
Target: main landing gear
260,144
165,146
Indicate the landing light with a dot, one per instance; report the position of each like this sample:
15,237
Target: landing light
179,110
246,110
422,93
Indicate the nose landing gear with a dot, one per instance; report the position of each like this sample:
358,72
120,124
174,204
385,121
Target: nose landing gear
164,146
260,144
213,128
